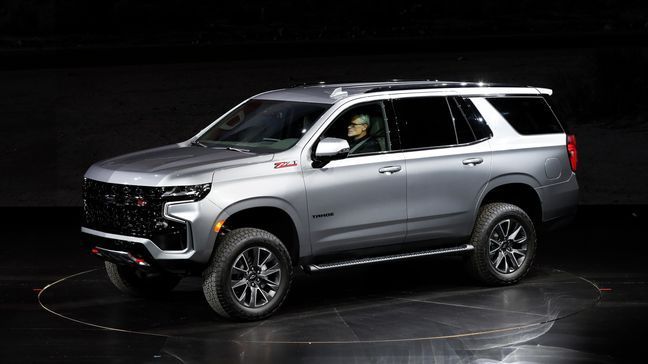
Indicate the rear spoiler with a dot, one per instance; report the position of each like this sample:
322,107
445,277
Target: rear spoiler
544,91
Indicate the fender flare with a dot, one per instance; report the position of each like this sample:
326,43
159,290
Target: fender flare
303,236
507,179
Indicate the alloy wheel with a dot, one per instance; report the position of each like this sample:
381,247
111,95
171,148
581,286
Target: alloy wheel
255,277
507,248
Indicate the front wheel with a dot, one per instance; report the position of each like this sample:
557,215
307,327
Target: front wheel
505,244
249,276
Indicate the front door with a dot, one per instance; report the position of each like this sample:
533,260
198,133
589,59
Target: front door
358,202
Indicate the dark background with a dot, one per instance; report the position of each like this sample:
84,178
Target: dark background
82,81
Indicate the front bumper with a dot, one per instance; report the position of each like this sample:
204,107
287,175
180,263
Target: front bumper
127,250
115,218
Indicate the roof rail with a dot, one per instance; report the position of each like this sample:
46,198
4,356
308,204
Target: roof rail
305,84
434,84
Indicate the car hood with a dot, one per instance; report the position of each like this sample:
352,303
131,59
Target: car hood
171,165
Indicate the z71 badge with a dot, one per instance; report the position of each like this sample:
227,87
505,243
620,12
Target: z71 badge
278,165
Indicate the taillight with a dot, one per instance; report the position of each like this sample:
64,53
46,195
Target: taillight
572,151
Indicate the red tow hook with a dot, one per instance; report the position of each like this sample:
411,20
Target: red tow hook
140,261
119,256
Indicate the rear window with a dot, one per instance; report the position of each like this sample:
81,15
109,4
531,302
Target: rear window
527,115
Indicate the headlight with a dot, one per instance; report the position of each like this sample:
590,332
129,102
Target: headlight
195,192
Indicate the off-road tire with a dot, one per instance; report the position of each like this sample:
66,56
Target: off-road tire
217,281
478,263
138,283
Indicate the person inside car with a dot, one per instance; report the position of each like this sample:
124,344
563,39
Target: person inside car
359,139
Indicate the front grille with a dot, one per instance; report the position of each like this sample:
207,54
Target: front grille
132,211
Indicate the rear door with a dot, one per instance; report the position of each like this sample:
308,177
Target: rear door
448,163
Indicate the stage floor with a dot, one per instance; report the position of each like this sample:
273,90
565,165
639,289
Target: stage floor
585,301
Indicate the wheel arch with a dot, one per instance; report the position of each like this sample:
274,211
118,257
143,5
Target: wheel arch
518,190
273,215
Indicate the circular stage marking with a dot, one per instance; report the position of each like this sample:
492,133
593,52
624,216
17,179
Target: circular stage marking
435,313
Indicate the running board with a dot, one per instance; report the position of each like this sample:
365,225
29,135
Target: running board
424,253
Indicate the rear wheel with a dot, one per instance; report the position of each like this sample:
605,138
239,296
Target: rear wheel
139,283
249,276
505,244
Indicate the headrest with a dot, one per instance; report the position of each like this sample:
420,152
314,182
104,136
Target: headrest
377,127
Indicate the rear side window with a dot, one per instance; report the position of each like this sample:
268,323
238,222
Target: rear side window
527,115
463,129
476,121
425,122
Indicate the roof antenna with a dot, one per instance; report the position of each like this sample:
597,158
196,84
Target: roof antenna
338,93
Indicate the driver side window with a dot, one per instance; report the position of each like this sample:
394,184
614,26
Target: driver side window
364,127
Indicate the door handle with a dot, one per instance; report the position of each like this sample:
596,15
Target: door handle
389,170
472,161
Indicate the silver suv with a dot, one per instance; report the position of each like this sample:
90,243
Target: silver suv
329,176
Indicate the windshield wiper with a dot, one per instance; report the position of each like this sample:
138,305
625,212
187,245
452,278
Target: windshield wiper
234,149
195,142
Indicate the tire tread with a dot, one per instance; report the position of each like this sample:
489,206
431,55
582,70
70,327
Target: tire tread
477,265
214,291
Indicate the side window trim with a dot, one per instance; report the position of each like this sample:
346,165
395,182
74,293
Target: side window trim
454,121
387,126
392,120
465,117
446,146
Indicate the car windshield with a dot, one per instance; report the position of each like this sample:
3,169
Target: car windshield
263,126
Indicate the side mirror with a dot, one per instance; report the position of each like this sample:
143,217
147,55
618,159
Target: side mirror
329,149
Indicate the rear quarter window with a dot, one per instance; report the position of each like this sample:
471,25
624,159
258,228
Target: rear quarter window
476,121
527,115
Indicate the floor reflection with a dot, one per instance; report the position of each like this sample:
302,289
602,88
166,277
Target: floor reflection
400,322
